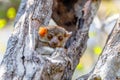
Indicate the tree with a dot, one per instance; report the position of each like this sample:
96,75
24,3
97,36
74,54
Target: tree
21,60
107,66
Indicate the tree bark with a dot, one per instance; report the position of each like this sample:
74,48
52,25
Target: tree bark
78,41
108,64
21,60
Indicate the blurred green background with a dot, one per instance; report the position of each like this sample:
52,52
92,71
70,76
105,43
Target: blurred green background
100,28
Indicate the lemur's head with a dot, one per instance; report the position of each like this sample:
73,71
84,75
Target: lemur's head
55,36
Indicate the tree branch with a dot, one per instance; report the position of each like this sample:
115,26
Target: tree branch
21,61
107,66
80,37
21,10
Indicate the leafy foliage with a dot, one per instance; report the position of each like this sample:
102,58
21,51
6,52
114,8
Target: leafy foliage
8,12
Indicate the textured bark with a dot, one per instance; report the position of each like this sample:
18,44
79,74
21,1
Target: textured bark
108,65
22,61
78,41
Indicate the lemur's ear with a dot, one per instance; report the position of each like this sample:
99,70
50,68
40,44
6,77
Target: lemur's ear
68,34
42,31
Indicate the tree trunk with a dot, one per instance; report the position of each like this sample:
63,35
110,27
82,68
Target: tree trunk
21,60
108,64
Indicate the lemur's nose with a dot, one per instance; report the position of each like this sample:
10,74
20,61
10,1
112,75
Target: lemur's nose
54,43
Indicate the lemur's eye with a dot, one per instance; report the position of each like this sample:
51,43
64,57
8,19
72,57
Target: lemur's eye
49,36
60,38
